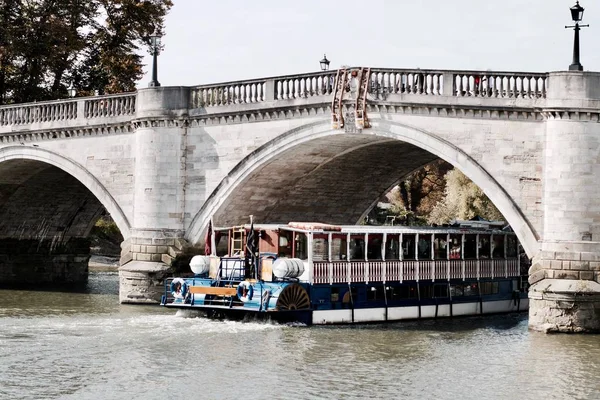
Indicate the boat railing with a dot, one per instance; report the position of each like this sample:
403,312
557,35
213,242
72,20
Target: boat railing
412,270
231,269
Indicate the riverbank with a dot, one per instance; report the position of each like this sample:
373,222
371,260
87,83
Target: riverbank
99,263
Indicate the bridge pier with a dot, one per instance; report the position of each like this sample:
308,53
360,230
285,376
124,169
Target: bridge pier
565,293
159,194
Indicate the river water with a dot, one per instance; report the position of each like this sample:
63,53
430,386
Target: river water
88,346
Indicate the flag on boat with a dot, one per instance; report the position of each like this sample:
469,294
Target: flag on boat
208,239
251,251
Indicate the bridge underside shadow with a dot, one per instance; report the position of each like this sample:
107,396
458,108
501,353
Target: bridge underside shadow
335,179
45,217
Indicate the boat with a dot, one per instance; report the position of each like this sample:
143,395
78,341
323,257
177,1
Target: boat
316,273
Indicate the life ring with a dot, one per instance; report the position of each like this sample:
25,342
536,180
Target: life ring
179,288
245,291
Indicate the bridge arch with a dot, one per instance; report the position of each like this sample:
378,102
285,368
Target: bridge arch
385,133
75,170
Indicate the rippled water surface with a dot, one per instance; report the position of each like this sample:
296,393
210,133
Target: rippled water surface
88,346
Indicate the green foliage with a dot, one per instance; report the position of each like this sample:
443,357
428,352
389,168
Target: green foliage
463,200
106,228
435,194
93,46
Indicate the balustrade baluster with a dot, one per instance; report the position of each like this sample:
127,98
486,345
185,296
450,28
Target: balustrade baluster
526,82
386,82
243,94
286,89
534,87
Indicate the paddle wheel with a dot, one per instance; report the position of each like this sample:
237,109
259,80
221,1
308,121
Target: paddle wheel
293,297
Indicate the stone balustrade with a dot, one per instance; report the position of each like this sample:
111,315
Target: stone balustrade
110,105
500,84
304,86
398,81
241,92
38,112
283,91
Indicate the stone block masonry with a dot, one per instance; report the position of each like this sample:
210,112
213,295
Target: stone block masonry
43,263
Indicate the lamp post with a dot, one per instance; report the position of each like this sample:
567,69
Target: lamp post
324,63
155,48
577,15
72,91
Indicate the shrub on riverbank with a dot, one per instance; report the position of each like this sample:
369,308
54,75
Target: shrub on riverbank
106,238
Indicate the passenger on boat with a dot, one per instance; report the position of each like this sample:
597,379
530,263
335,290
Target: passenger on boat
178,288
177,291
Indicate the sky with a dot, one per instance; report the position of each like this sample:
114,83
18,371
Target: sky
211,41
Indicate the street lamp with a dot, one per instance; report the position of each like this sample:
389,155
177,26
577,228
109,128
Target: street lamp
577,15
72,91
324,63
155,48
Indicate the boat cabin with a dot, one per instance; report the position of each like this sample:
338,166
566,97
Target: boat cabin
362,253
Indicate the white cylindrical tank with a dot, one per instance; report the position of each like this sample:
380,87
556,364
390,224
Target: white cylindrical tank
288,267
200,264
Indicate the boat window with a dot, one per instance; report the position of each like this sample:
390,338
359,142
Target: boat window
470,246
300,246
424,247
440,290
392,247
456,290
484,246
439,246
455,246
375,293
402,292
408,246
498,246
511,246
338,247
335,294
320,247
374,247
285,244
488,288
426,291
471,290
357,247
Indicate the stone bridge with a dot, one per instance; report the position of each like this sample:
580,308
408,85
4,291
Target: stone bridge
164,160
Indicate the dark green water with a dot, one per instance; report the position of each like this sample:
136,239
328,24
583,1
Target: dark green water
88,346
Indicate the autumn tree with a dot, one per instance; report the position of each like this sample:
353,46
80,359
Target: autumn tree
92,46
464,200
417,194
